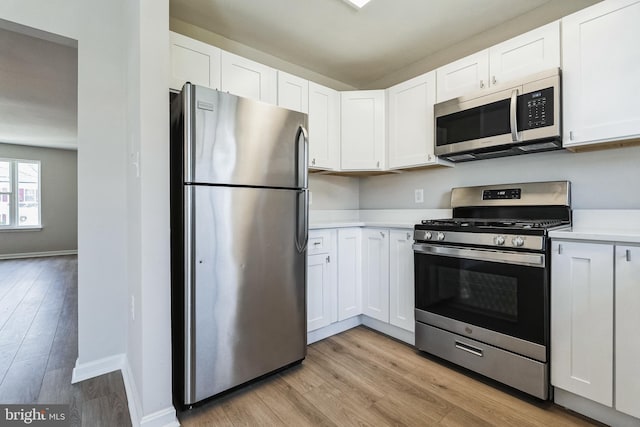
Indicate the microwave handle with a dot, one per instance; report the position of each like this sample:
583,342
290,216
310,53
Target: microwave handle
513,115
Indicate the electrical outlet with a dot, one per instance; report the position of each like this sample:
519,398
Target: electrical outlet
418,195
133,308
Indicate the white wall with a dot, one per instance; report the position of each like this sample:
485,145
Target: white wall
120,111
333,192
604,179
97,26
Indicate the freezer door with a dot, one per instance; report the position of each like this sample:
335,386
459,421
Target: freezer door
245,309
238,141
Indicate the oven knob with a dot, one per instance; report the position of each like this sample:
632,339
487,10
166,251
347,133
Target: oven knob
517,241
440,236
499,240
427,235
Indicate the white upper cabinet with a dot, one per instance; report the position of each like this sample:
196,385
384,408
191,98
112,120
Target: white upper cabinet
193,61
410,122
627,320
463,76
528,53
362,126
324,127
293,92
601,73
250,79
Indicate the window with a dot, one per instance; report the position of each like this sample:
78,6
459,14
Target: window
19,193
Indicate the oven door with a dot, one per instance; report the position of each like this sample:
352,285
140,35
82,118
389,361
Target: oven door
497,297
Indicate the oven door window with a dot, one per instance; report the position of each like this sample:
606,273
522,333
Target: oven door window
506,298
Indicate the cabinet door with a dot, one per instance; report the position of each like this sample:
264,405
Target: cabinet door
401,283
293,92
363,130
243,77
627,337
349,273
411,119
531,52
193,61
467,75
319,298
582,319
375,273
600,73
324,127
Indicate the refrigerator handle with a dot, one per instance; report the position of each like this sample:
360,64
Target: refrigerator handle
302,220
302,156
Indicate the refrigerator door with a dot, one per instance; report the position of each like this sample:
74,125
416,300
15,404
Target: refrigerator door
245,312
238,141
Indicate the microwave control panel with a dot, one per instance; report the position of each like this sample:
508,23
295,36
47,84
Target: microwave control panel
535,109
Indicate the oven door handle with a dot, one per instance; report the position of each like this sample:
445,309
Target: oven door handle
531,260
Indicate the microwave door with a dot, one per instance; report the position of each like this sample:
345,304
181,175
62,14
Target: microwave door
475,124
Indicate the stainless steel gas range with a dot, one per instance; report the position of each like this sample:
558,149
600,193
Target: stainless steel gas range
482,281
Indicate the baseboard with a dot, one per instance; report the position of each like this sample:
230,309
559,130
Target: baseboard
133,398
163,418
593,410
390,330
98,367
38,254
332,329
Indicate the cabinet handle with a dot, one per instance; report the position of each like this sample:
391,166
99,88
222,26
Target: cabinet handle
313,161
408,236
481,84
378,164
328,259
559,249
493,80
571,135
316,243
628,255
382,234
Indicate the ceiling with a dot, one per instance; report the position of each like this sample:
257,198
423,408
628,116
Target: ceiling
359,47
38,91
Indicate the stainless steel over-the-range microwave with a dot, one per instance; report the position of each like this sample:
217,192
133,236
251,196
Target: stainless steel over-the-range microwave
515,118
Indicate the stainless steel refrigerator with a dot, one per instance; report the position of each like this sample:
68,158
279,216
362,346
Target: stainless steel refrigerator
239,212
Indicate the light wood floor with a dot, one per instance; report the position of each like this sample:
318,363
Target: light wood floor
362,378
39,344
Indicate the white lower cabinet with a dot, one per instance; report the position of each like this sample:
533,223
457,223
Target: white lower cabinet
320,286
375,273
595,296
627,337
349,273
360,275
321,280
401,283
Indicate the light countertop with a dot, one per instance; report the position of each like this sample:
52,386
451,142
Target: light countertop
378,218
603,225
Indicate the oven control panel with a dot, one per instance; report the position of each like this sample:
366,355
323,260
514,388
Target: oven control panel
507,193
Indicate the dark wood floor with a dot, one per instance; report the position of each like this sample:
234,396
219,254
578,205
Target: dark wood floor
361,378
39,342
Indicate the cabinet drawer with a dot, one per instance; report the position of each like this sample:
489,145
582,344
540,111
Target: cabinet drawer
319,242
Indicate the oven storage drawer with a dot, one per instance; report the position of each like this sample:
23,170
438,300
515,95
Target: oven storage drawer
517,371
